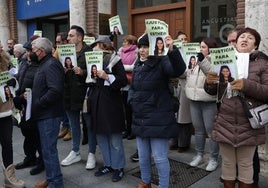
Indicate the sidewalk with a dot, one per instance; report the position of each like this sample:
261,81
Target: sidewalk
76,176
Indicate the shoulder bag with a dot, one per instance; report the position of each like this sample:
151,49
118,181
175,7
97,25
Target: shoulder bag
257,116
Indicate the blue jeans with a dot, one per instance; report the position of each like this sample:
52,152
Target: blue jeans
49,130
65,121
74,120
92,140
112,150
203,117
158,148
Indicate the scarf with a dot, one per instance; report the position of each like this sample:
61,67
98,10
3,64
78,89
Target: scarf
128,54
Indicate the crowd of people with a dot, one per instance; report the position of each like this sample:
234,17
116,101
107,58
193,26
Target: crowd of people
131,98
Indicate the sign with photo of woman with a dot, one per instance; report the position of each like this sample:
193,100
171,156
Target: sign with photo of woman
157,31
115,25
94,61
67,55
224,56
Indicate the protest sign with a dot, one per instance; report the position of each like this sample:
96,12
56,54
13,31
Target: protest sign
4,89
29,104
94,62
38,33
14,61
67,55
189,51
89,40
115,25
178,43
224,56
157,31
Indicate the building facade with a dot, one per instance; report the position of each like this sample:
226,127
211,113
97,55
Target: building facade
198,18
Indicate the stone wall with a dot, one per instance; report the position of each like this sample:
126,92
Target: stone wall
77,13
4,23
256,16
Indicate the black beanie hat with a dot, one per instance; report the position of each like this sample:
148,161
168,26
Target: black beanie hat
28,45
143,41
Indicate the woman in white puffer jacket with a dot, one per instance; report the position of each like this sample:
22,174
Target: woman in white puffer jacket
202,106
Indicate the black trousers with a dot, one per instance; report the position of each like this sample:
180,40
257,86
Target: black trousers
184,134
6,129
256,167
31,144
128,112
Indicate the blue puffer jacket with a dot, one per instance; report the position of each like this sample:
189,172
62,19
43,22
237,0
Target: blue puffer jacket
150,97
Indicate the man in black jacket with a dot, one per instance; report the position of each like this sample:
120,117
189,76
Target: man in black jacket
75,91
47,108
29,129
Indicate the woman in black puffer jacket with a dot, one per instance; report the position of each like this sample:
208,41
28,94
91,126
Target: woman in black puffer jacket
153,117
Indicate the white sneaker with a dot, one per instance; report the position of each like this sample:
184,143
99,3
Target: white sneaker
73,157
196,161
212,165
91,161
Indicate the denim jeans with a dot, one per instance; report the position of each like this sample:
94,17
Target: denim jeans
92,140
203,117
158,148
65,121
74,120
49,130
112,150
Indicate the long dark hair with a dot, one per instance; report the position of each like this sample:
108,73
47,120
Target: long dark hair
156,47
190,64
11,95
65,64
92,73
230,78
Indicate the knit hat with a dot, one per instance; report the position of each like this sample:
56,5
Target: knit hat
27,45
143,40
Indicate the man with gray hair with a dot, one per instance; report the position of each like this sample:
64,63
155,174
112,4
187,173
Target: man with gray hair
47,108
